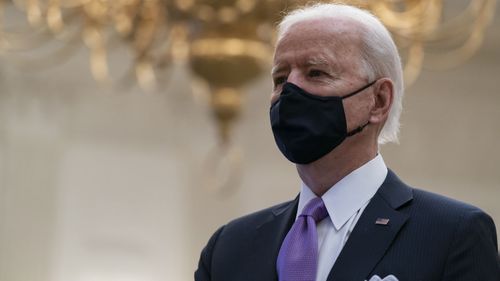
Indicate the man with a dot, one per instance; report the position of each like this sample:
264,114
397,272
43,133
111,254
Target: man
337,96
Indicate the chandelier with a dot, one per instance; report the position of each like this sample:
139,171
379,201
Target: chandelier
226,43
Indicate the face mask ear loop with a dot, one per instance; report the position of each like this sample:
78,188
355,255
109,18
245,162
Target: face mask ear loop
357,130
359,90
360,128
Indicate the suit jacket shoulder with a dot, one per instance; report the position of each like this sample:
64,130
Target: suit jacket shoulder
253,220
441,239
246,248
436,212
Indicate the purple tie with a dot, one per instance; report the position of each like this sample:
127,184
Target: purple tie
298,256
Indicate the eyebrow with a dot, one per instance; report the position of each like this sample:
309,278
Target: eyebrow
320,61
315,61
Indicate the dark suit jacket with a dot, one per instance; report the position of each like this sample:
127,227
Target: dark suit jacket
428,238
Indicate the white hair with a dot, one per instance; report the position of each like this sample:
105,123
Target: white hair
380,57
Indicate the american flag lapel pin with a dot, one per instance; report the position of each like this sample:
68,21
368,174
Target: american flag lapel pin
382,221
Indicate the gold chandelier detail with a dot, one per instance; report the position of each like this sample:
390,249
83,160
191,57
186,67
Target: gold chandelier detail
227,43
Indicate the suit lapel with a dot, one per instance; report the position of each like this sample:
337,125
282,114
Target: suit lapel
268,240
369,241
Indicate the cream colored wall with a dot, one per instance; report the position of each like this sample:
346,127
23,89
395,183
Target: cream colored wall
102,184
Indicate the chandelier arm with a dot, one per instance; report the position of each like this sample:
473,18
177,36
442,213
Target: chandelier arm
53,59
452,58
68,4
421,17
20,39
12,42
478,12
69,17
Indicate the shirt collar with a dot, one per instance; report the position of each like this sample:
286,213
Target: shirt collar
351,193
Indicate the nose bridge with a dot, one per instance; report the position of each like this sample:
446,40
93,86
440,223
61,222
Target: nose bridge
295,77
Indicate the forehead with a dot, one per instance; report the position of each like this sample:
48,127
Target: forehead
332,40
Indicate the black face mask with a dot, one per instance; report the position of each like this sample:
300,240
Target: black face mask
306,127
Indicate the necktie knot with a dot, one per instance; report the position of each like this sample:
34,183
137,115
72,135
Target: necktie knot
316,209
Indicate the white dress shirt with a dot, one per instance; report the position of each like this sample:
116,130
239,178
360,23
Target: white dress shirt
345,202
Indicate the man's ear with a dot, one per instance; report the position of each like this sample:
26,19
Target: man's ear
383,96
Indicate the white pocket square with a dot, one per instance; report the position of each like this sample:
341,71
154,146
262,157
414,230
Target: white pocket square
387,278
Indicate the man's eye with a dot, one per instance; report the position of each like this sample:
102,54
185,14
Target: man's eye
279,80
316,73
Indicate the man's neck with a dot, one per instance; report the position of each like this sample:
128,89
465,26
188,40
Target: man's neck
322,174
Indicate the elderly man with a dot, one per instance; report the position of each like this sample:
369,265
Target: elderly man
337,95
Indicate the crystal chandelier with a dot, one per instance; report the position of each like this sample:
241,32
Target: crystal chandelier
227,43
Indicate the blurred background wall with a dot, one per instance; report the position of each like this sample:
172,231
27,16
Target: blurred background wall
99,183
